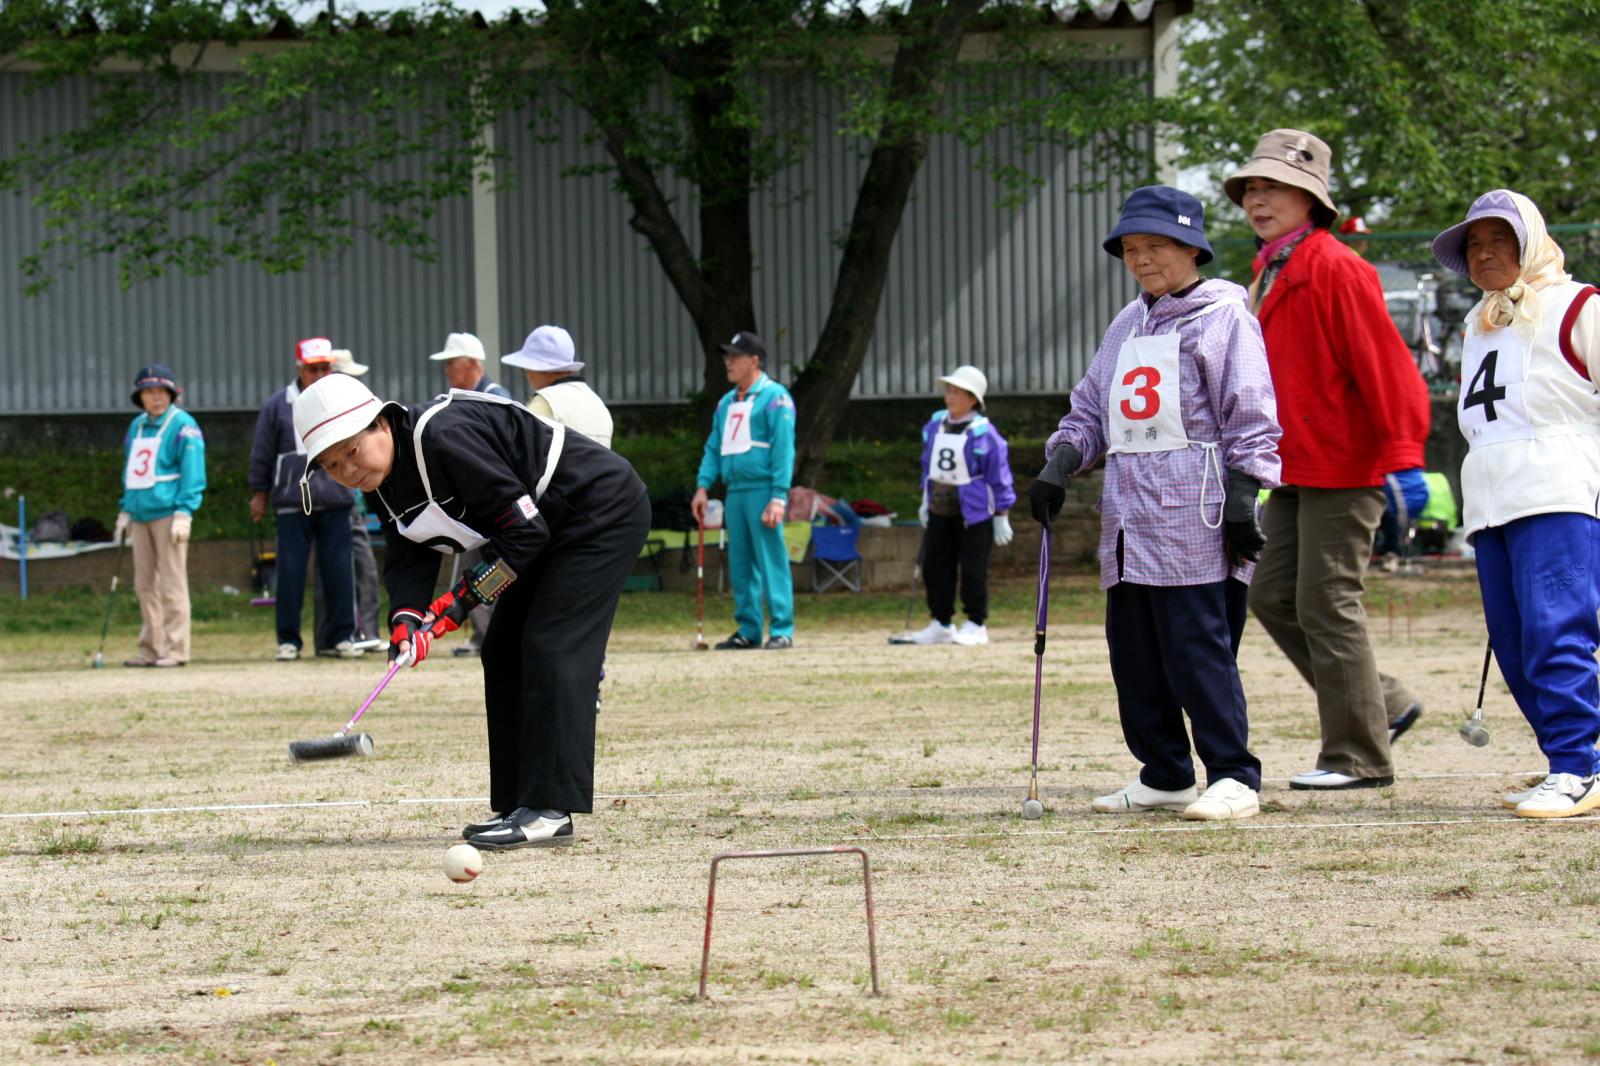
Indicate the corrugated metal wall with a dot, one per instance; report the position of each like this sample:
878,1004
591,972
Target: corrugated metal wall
1022,292
230,334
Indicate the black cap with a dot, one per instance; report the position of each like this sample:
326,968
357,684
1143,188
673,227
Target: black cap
745,343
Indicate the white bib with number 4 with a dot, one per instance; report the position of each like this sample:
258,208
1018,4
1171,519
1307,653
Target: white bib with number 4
736,439
1491,406
948,463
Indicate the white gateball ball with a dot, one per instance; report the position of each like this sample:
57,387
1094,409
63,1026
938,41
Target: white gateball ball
1032,810
462,863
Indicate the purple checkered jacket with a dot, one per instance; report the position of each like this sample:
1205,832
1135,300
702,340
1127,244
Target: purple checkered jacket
1153,499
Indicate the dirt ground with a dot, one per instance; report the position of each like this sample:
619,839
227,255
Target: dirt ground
281,913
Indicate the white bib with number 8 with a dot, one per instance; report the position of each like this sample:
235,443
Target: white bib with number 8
948,463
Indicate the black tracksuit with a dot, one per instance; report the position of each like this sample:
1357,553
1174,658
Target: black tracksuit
543,652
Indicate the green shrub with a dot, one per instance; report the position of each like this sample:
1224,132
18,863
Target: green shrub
88,484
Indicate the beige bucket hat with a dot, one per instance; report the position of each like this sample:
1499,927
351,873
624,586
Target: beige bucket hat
1291,157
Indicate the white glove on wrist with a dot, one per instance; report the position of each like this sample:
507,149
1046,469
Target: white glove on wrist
181,524
922,512
119,532
1002,530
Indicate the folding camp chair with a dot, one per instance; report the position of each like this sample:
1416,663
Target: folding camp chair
834,558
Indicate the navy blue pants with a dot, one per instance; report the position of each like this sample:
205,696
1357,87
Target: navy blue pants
1174,649
1540,578
330,532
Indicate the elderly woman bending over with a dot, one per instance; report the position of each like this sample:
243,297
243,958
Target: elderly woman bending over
1531,480
1179,400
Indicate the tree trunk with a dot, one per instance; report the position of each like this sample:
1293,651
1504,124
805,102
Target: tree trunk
922,65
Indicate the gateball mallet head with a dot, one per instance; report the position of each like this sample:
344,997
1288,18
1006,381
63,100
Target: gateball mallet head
1474,733
1032,810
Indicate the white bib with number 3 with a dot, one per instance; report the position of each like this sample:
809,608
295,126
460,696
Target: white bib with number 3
140,473
948,463
1494,370
736,439
1144,412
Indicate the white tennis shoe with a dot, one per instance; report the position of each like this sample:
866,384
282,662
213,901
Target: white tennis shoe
1141,797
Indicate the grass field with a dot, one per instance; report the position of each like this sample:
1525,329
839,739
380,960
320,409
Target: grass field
278,913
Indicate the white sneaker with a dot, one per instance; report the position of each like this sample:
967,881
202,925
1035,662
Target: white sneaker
1327,780
1140,797
1511,799
287,653
347,650
1562,796
1224,800
972,633
935,632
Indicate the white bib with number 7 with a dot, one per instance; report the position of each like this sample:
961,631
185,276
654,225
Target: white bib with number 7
736,439
1494,370
948,463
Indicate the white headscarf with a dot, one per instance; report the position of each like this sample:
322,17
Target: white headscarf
1543,264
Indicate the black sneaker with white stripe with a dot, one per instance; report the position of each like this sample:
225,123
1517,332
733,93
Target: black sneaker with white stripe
526,828
474,828
1407,719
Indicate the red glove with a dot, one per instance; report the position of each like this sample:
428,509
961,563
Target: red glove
451,609
408,628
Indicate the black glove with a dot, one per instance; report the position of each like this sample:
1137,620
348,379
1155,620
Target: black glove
1048,491
1241,535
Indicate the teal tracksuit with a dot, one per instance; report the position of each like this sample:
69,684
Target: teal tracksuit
758,561
180,467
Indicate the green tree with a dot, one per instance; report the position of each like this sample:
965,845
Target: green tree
694,88
1425,103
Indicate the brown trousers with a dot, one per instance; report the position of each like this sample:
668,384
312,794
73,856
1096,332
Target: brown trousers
161,581
1307,594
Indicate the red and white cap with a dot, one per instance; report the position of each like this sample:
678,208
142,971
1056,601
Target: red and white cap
313,350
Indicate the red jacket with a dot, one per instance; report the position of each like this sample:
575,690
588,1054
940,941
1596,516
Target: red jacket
1351,401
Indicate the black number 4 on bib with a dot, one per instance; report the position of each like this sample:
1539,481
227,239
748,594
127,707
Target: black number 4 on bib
1482,389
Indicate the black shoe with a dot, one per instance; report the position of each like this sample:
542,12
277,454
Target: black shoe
1407,719
778,644
737,642
526,828
474,828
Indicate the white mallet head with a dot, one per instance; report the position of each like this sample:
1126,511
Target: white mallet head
1032,810
462,863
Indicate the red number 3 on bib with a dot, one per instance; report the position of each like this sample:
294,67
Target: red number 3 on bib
1144,380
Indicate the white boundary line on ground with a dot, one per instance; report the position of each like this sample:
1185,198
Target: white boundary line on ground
1506,819
417,801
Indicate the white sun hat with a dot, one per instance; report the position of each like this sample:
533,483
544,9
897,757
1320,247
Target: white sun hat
345,363
547,348
969,378
460,346
331,410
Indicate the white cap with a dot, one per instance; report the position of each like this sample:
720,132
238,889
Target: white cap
331,410
547,348
460,346
345,363
969,378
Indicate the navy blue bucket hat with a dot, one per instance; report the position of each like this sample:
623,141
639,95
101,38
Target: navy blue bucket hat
1165,212
155,376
